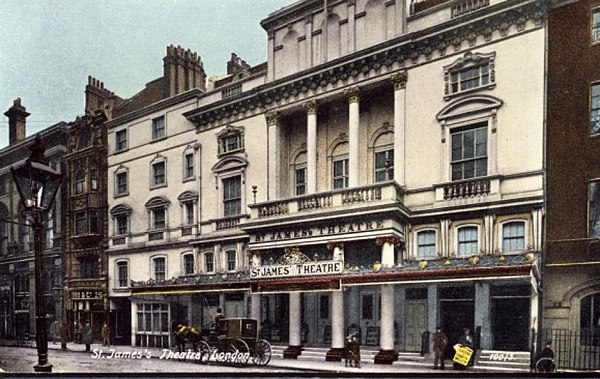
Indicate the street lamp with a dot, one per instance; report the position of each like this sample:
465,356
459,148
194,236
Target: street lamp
37,184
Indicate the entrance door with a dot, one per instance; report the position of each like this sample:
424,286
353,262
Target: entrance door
369,318
510,324
324,319
415,316
456,315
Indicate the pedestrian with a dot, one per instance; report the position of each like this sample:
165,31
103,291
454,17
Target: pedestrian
440,340
65,335
546,359
466,340
105,335
86,336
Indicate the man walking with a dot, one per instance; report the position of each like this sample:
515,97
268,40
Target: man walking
440,340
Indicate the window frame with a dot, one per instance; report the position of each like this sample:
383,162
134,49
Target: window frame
503,237
593,208
79,182
595,108
80,223
470,61
185,263
154,175
595,27
121,143
388,172
231,260
463,161
118,278
237,133
155,267
159,124
345,176
417,249
210,262
189,169
227,198
458,241
121,172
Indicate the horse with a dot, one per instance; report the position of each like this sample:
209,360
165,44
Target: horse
187,334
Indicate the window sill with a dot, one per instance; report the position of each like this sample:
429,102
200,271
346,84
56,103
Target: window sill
159,139
224,153
157,186
121,151
121,195
190,179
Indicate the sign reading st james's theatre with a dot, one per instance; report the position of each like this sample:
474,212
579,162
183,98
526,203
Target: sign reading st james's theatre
301,269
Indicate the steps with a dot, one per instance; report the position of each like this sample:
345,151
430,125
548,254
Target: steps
507,361
319,353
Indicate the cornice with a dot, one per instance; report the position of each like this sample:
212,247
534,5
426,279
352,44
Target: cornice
389,57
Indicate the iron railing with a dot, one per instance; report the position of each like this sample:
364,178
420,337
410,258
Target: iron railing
574,350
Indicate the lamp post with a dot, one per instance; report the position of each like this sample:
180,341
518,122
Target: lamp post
37,184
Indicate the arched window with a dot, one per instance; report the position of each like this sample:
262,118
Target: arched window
122,273
159,268
188,263
589,320
513,236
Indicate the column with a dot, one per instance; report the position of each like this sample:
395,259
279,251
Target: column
338,250
399,81
482,314
311,146
134,323
274,153
255,310
432,312
387,250
337,327
295,343
488,224
387,354
353,137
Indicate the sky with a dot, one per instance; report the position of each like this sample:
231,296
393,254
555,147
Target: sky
49,47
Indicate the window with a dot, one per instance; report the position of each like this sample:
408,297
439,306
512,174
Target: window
231,260
367,307
300,181
79,182
469,152
122,274
153,318
589,320
158,128
80,223
513,236
594,209
472,71
188,210
426,244
94,179
121,222
596,25
595,108
94,222
121,187
231,139
209,262
467,241
158,218
159,268
159,173
340,173
188,264
121,140
384,165
88,267
188,170
232,196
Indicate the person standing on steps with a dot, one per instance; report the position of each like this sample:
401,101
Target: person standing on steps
440,340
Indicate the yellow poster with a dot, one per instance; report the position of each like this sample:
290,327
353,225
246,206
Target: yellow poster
462,355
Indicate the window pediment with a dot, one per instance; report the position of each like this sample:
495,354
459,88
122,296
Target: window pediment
230,164
157,201
120,209
469,105
187,196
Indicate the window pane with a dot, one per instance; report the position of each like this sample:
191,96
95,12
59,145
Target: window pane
467,241
513,236
596,26
159,218
594,209
159,173
426,244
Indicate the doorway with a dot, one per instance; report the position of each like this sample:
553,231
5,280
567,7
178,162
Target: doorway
510,324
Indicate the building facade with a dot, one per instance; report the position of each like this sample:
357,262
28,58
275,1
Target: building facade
572,287
381,174
17,271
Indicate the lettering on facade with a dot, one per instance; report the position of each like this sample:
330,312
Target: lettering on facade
304,269
87,295
319,231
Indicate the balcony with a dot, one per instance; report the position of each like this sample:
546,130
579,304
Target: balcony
355,199
457,8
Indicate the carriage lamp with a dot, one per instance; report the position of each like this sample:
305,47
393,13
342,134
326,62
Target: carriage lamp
37,184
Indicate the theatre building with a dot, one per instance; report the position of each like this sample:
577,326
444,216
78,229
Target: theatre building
381,174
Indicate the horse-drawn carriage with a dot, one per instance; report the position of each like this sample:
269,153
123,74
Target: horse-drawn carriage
228,340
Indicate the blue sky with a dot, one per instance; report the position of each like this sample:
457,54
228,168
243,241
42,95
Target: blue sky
49,47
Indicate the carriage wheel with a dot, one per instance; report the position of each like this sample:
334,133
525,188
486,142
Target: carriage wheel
262,353
204,349
243,352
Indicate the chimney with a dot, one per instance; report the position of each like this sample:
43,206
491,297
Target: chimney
16,122
183,70
236,65
99,98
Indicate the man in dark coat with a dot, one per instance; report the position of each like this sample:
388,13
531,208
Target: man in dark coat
440,340
65,335
86,336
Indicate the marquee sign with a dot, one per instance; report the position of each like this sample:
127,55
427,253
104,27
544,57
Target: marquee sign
302,269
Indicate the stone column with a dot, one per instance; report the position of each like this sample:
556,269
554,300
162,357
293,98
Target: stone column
311,147
353,137
399,81
337,327
482,313
255,310
295,337
134,323
387,354
274,153
387,249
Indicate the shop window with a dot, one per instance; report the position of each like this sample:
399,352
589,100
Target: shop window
232,196
594,209
158,128
159,268
469,152
468,243
122,274
121,140
209,262
384,165
589,320
513,236
595,108
426,244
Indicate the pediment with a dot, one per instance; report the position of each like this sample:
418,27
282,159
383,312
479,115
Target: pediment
469,105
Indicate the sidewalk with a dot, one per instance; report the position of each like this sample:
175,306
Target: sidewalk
303,365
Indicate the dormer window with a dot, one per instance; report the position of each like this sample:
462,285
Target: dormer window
231,140
469,73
